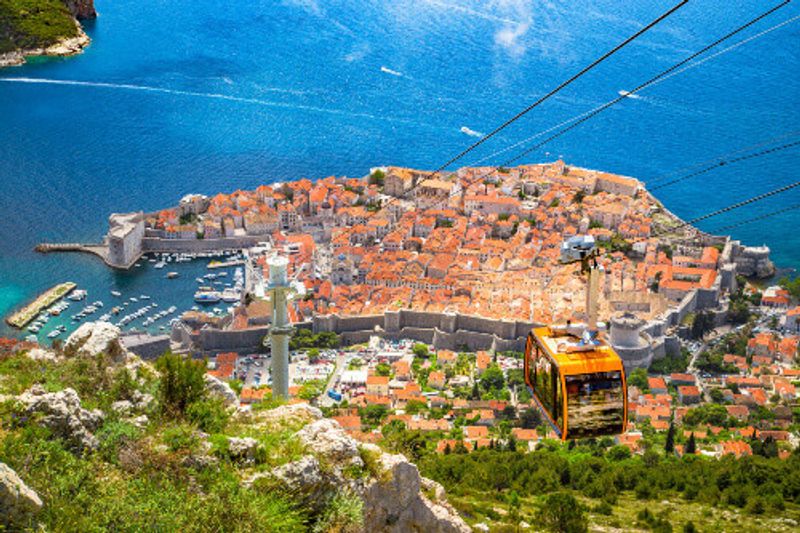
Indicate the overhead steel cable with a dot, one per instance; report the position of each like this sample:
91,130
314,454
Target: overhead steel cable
725,162
758,218
720,157
563,85
721,211
665,78
649,82
541,100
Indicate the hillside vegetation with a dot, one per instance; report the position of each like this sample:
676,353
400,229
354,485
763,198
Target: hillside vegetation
26,24
94,439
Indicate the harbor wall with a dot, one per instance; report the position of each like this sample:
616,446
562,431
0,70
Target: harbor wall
157,244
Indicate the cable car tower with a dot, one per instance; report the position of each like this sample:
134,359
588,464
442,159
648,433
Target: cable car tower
577,379
280,291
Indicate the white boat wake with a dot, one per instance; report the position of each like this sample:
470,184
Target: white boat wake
387,70
471,133
212,96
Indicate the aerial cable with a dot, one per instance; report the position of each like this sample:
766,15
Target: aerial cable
718,158
725,162
563,85
559,88
651,81
721,211
758,218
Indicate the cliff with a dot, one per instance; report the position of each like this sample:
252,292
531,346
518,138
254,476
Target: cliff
42,27
93,438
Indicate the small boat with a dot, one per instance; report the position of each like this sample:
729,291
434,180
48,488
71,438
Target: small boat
53,334
172,275
134,300
77,295
144,297
116,293
160,265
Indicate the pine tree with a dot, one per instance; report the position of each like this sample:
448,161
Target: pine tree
669,446
691,446
447,449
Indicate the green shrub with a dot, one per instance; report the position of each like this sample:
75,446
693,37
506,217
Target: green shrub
114,435
181,437
182,383
210,415
561,512
343,514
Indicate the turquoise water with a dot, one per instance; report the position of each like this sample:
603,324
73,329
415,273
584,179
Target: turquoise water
177,97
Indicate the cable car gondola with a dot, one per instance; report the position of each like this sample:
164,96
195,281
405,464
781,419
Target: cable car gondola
577,379
579,386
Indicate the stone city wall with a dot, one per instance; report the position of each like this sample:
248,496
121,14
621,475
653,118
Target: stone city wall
157,244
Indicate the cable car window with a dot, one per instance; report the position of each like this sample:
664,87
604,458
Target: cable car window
595,404
543,384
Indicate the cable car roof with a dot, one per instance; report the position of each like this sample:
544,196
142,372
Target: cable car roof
601,358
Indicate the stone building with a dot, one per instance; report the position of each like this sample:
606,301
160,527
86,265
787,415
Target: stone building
124,238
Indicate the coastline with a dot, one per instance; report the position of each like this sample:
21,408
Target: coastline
65,47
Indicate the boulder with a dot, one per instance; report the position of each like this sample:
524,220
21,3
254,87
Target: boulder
141,400
329,441
140,421
306,482
18,502
40,354
81,9
243,450
63,415
122,407
393,503
219,389
95,338
287,416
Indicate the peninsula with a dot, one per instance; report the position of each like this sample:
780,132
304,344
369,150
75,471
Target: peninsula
469,258
42,27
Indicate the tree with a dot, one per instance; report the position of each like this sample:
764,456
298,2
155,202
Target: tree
373,414
383,369
691,446
476,393
420,350
638,379
530,418
669,445
493,379
182,383
562,513
377,177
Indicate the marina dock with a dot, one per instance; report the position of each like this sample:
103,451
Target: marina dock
43,301
224,264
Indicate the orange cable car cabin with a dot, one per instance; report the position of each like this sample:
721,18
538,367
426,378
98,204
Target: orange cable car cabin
579,387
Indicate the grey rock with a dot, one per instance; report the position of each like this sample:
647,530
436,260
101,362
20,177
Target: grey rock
64,416
220,389
95,338
140,421
40,354
328,440
243,449
18,502
122,407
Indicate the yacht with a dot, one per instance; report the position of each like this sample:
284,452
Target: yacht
206,295
231,296
77,295
172,275
116,293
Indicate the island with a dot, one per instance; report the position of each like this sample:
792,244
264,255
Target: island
42,27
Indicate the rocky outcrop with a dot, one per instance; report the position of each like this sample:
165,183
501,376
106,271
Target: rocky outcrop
243,450
64,47
330,442
41,354
394,502
394,497
61,413
291,417
81,9
18,502
95,338
219,389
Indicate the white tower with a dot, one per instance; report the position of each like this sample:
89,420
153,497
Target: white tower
280,292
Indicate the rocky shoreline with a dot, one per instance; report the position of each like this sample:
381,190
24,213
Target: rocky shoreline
67,46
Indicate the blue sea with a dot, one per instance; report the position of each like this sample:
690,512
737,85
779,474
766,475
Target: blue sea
175,97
